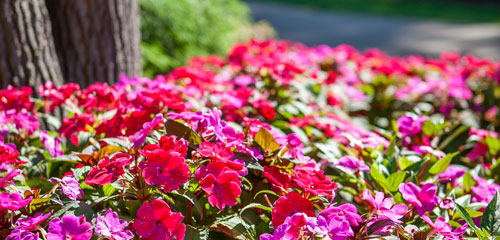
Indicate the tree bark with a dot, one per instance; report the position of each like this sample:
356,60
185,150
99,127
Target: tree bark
96,40
27,51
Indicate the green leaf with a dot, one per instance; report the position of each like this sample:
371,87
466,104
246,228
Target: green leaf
469,221
428,128
180,130
52,120
491,217
377,176
266,141
255,205
108,189
83,138
37,203
233,226
250,161
266,191
493,144
393,181
443,163
468,181
193,233
116,142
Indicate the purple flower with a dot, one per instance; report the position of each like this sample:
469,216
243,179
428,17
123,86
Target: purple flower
383,206
69,227
112,227
451,174
353,163
140,136
340,219
13,201
440,227
424,199
52,144
410,126
70,187
297,226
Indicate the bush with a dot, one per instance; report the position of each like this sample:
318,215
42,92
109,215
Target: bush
173,31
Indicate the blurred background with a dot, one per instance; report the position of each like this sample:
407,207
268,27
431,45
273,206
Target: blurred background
174,30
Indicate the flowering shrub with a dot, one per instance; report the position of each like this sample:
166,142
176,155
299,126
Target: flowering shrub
276,141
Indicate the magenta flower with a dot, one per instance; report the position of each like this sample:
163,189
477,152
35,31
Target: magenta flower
353,163
340,220
69,227
52,144
383,206
70,187
24,226
410,126
112,227
424,199
13,201
140,136
451,174
484,191
155,221
23,236
221,184
8,179
440,227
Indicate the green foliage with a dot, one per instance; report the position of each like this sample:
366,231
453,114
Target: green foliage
173,31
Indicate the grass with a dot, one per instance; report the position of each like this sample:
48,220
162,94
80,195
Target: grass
449,10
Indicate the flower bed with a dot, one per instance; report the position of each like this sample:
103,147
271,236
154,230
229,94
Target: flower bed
276,141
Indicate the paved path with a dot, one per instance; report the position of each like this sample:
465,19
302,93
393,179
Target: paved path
397,36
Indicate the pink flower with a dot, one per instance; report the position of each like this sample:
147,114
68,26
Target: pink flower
218,152
451,174
424,199
52,144
288,205
221,184
383,206
13,201
109,170
297,226
440,227
155,221
353,163
69,227
70,187
165,164
113,227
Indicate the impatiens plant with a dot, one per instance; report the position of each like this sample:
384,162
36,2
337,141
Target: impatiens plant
275,141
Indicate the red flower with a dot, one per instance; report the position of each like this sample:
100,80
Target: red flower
288,205
155,221
164,164
221,183
314,182
107,170
13,98
277,178
267,112
8,153
78,122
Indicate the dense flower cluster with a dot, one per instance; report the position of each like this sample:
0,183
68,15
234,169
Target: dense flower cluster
275,141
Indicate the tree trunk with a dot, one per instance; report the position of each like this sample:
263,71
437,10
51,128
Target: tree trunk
96,40
27,53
